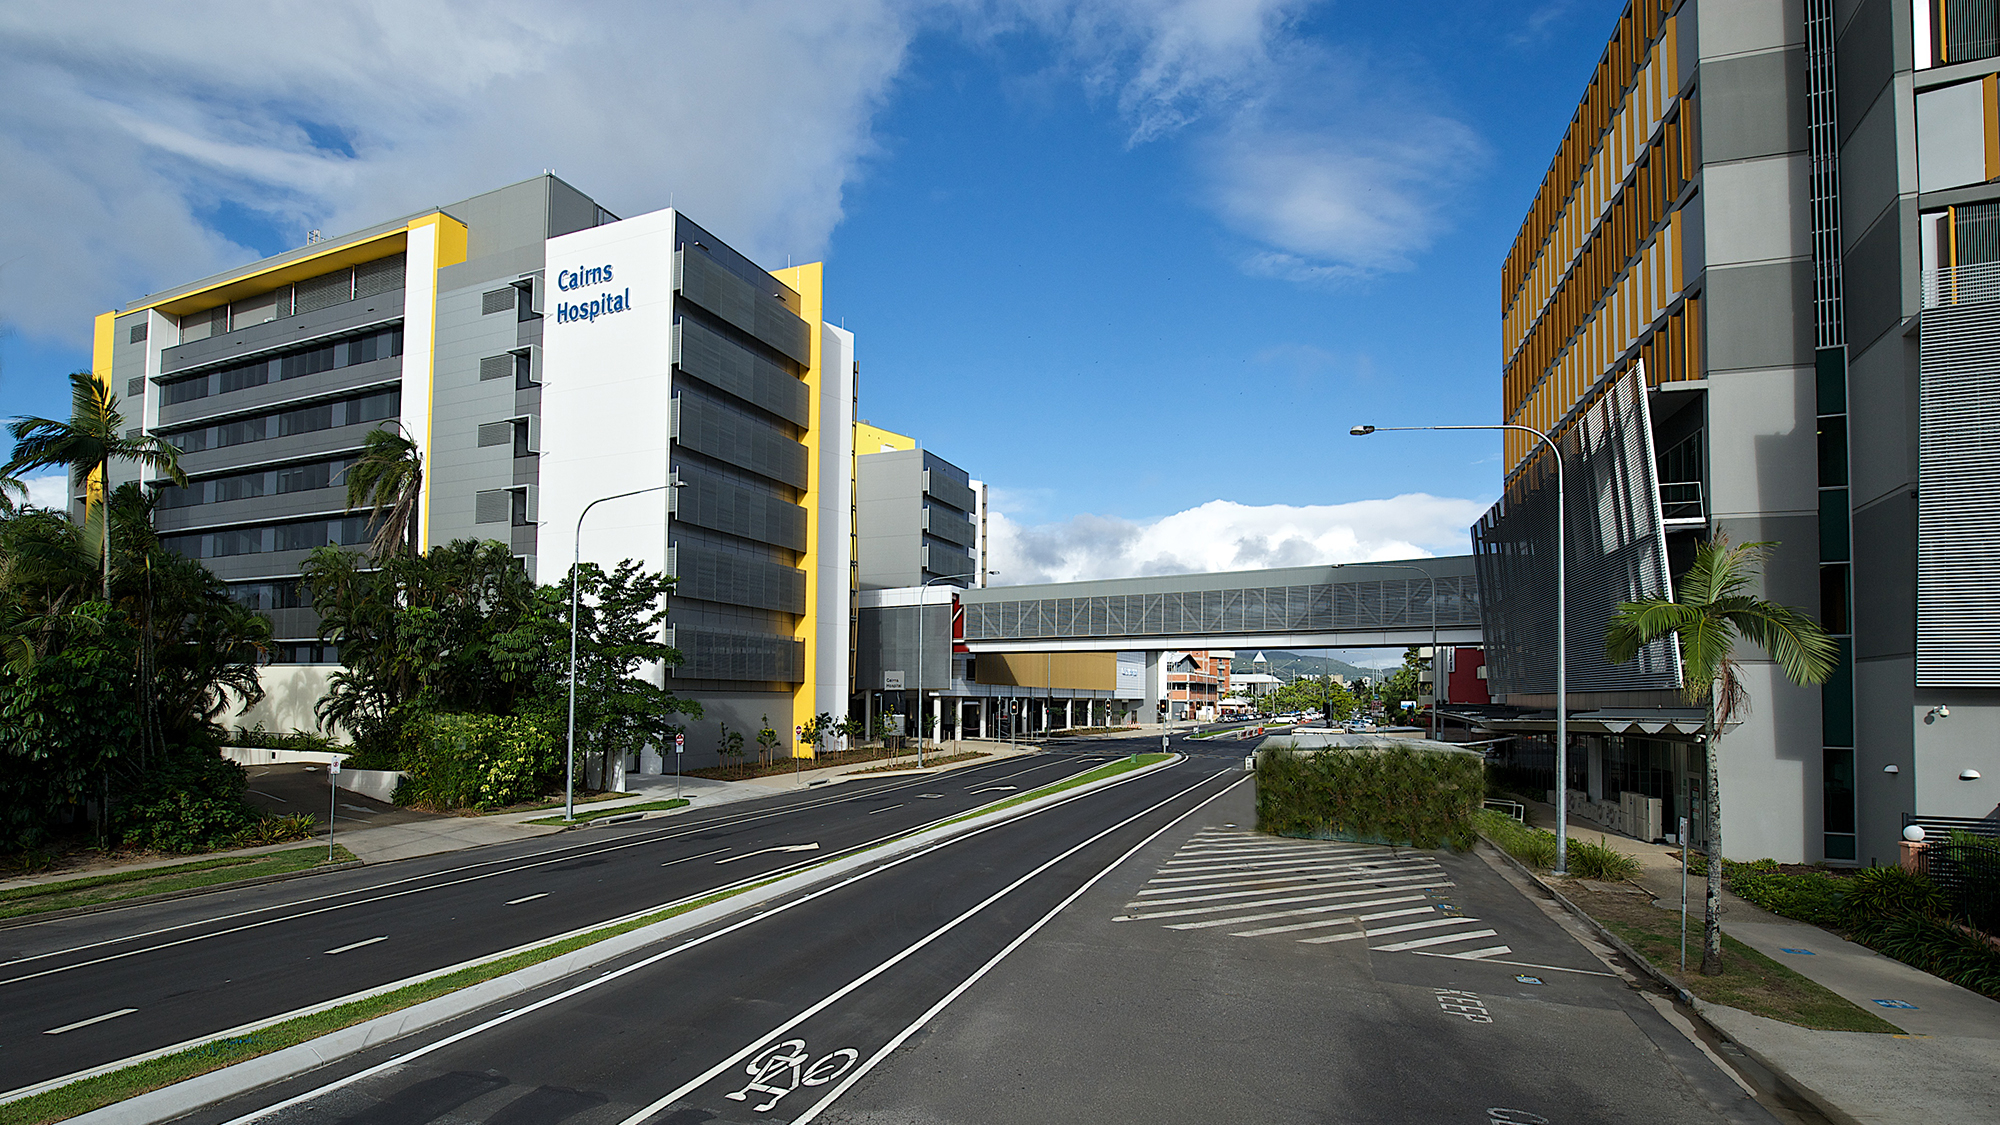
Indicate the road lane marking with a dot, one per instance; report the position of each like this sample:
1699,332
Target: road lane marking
1441,939
692,858
357,945
1387,883
91,1020
813,847
411,1056
994,789
886,808
1484,955
903,1036
530,898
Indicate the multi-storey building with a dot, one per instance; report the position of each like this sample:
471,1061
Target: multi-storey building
1757,295
543,355
919,516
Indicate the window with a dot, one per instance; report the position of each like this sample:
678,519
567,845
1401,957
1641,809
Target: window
384,344
1963,30
308,419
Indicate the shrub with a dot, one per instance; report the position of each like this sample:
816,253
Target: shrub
258,737
1814,897
1537,849
1599,861
479,761
1936,946
1880,893
1391,795
194,803
277,830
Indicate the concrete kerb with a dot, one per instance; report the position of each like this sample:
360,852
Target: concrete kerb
1692,1002
183,1097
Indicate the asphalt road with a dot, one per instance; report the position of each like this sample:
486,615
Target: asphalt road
82,992
1045,969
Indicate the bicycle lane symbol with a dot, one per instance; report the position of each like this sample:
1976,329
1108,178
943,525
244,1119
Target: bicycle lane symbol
781,1068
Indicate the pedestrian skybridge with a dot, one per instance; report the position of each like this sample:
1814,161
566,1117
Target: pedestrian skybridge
1358,605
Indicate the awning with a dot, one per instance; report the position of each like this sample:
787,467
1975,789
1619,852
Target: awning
1669,722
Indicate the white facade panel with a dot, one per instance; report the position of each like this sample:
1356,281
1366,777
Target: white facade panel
420,266
1951,137
607,369
832,574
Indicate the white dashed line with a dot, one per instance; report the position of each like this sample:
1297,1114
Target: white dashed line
91,1020
530,898
357,945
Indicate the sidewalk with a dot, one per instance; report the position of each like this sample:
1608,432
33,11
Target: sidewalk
1947,1066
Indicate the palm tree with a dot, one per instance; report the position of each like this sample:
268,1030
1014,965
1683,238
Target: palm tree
1710,615
93,437
388,475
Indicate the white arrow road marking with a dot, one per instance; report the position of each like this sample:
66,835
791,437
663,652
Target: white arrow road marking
781,848
996,789
530,898
692,858
885,808
91,1020
357,945
931,796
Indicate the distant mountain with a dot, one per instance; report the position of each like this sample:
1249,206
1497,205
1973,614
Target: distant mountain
1291,665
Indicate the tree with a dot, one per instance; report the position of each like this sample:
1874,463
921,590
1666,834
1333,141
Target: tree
1710,614
729,744
852,730
817,730
389,475
86,445
767,742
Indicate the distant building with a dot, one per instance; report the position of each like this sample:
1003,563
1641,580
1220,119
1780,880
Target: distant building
918,516
1197,682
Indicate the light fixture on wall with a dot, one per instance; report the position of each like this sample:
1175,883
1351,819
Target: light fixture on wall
1936,713
1968,775
1891,768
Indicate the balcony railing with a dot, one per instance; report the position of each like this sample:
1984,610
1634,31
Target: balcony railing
1680,503
1962,285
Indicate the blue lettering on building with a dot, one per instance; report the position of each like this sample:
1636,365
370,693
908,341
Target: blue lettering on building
589,311
567,280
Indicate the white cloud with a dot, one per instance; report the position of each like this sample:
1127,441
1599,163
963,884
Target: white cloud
125,127
50,491
1223,535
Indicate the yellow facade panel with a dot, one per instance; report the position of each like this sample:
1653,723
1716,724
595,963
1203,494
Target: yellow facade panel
808,282
870,439
298,269
1075,671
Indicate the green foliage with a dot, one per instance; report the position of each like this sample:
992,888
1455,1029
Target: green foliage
1394,794
729,744
277,830
1404,686
1599,861
194,804
480,761
62,723
767,741
260,738
1308,694
1888,892
817,730
388,479
1537,849
1937,946
1816,896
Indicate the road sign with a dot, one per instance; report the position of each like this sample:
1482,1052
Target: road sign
892,680
680,743
333,767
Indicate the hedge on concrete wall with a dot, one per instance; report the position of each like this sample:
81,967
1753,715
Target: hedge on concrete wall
1404,795
479,761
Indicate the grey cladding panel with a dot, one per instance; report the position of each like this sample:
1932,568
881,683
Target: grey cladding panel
1753,105
1958,506
299,328
742,512
725,366
1760,316
1874,273
1865,60
718,654
713,576
738,302
706,428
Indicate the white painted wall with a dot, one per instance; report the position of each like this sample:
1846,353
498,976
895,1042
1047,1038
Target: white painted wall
832,574
1951,137
290,690
420,266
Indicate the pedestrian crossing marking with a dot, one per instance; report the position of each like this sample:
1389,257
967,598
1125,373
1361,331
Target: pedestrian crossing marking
1225,878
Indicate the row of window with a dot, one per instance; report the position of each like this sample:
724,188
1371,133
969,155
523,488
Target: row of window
244,486
283,593
304,652
368,279
299,420
299,535
291,365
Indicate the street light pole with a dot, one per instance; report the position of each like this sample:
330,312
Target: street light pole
1562,636
923,714
1437,661
576,563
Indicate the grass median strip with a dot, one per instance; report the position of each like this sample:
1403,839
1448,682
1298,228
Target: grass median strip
91,890
1113,769
600,814
87,1094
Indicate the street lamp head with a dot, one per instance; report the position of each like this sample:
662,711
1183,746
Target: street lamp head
1361,431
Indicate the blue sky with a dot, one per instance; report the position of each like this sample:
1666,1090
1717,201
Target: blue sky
1136,263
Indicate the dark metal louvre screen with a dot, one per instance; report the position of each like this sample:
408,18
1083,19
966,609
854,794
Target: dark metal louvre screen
737,301
1319,608
734,510
495,433
497,300
950,526
324,291
707,428
496,506
1617,553
950,491
718,654
729,367
713,576
379,276
1958,498
496,367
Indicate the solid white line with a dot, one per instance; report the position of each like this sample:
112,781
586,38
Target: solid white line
1393,930
994,789
1473,954
358,944
91,1020
1270,884
903,1035
1251,879
1210,870
515,1013
1222,895
1235,906
812,847
1442,939
1521,964
530,898
1232,851
758,1044
898,805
